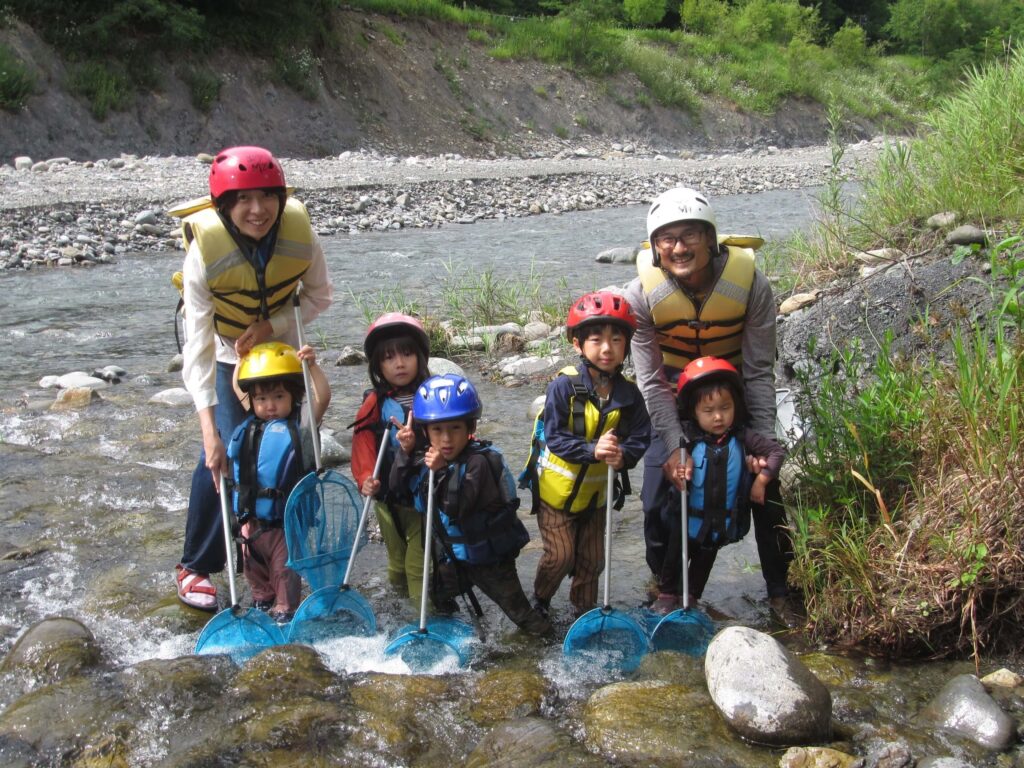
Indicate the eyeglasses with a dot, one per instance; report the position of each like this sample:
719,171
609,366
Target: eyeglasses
690,237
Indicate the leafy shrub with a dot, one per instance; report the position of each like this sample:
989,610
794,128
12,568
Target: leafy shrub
204,87
16,83
704,17
644,13
105,88
777,21
849,45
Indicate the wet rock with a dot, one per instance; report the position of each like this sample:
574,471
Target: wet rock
177,397
260,680
74,398
764,692
111,373
504,694
392,706
1002,678
178,686
888,754
640,723
965,707
62,718
176,363
54,649
80,379
350,356
942,762
530,741
818,757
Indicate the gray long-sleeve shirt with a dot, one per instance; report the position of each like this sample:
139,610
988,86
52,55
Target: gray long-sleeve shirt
758,349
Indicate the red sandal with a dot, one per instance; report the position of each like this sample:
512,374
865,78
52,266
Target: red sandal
195,589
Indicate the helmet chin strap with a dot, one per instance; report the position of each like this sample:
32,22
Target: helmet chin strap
599,376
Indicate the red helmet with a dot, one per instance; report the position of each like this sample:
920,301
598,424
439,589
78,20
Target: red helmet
600,307
392,324
244,168
704,370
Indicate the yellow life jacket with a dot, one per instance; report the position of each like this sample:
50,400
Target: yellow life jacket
242,294
575,487
686,332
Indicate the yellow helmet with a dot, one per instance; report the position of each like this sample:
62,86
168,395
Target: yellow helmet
272,361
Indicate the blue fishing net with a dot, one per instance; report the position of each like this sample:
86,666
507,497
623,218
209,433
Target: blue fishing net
685,630
329,613
320,523
240,634
609,638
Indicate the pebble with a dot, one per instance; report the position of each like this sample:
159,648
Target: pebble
83,213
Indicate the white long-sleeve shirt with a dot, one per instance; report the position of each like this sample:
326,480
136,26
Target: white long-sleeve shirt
204,348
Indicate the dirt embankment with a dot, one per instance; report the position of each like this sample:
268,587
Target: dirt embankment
401,86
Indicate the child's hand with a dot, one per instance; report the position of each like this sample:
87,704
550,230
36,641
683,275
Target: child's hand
755,464
405,435
434,459
684,471
370,486
608,450
307,353
758,488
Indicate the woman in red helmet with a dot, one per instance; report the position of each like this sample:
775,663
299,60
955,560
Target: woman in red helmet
249,245
593,418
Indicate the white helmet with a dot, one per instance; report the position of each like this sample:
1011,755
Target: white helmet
679,204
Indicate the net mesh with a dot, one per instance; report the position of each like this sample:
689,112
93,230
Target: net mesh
320,523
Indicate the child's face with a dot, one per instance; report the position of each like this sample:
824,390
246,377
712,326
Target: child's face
448,437
604,347
271,401
399,368
255,212
715,411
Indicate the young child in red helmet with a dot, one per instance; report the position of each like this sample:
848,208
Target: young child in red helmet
249,244
713,412
593,418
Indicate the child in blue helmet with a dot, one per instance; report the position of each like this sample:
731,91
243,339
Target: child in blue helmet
594,418
713,413
478,531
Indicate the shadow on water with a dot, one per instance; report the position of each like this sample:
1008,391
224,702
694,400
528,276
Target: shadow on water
92,502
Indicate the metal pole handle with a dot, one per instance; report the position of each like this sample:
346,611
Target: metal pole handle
685,518
225,515
307,380
366,510
608,537
428,533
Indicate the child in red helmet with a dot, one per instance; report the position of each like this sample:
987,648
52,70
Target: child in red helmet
593,418
249,246
713,412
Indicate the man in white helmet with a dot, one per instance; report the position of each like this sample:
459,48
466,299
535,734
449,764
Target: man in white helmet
693,298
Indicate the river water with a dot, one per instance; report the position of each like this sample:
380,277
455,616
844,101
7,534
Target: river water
93,500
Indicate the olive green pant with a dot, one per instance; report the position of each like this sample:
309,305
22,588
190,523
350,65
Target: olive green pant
402,530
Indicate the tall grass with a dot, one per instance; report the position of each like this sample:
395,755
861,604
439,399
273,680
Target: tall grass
16,83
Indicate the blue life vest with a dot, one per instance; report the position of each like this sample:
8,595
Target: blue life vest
479,539
718,500
266,458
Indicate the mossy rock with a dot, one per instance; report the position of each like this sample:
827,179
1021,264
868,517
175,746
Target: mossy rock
529,741
283,674
179,686
54,649
506,695
397,697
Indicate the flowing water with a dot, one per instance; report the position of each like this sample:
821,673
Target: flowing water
93,500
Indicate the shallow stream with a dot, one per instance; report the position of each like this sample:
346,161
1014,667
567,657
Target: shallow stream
93,501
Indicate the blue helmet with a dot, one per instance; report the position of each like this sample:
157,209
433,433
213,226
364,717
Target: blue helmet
445,398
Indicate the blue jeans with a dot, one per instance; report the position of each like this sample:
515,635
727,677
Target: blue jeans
204,536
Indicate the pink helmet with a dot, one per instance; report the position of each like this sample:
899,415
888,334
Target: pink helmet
244,168
392,324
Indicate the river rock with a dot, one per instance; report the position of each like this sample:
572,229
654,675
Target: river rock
495,330
49,382
80,379
966,234
22,163
942,762
176,363
941,220
818,757
622,255
110,373
349,355
526,366
651,723
74,399
505,343
536,407
1002,678
797,301
392,707
530,741
441,366
965,707
333,453
177,397
536,330
764,692
178,686
504,694
54,649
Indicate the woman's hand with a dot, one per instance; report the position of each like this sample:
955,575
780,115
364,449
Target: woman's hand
257,333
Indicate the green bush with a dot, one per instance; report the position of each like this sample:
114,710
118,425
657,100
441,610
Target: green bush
105,88
704,17
204,87
644,13
777,21
850,47
16,84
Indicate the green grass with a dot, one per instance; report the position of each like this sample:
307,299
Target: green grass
16,83
203,86
104,86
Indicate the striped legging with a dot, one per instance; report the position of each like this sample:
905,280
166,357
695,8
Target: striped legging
572,543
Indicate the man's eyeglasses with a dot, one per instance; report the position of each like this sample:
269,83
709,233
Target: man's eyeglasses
691,237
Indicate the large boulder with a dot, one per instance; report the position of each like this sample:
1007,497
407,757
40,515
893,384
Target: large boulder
764,692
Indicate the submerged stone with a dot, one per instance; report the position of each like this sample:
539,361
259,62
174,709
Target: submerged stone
529,741
504,694
54,649
283,673
964,707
